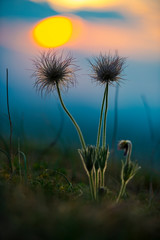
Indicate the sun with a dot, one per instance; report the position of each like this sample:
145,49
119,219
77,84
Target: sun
53,31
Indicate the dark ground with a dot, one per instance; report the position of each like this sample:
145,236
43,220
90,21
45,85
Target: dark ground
47,207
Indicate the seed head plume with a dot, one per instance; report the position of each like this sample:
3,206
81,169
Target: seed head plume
107,68
52,69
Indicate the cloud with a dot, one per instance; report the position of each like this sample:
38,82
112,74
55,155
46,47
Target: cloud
101,5
138,34
135,39
74,5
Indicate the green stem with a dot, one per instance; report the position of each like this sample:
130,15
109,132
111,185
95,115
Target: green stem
105,118
129,152
96,182
100,120
124,189
72,119
92,188
121,192
102,178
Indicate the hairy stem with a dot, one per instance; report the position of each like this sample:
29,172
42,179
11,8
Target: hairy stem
102,178
115,121
96,182
72,119
92,187
129,151
105,118
122,191
100,120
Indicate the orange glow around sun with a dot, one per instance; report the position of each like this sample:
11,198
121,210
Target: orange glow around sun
53,31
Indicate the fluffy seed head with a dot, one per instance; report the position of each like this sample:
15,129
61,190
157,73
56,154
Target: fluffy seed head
51,69
107,68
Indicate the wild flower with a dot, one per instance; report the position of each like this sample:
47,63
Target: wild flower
53,72
107,68
129,168
126,145
52,69
95,164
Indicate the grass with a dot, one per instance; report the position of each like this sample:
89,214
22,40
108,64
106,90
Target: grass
47,207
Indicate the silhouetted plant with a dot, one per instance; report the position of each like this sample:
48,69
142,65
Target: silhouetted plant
106,70
8,153
129,168
53,72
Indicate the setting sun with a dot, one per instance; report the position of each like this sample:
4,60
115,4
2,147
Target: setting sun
53,31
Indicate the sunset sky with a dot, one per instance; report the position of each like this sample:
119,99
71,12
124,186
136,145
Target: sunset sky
130,27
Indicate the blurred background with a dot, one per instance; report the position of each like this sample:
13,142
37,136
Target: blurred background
131,27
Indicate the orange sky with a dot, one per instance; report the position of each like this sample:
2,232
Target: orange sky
137,36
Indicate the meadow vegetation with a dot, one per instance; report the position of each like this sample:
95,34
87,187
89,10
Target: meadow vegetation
46,206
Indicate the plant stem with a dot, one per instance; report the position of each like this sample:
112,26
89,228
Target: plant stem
129,152
100,120
10,124
102,178
122,191
72,119
115,121
96,182
92,188
105,118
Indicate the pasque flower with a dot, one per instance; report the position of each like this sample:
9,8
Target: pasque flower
52,69
107,68
126,145
54,72
129,168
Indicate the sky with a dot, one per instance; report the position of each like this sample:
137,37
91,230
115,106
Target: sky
129,27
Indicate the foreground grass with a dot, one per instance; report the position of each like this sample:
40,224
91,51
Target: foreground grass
48,207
